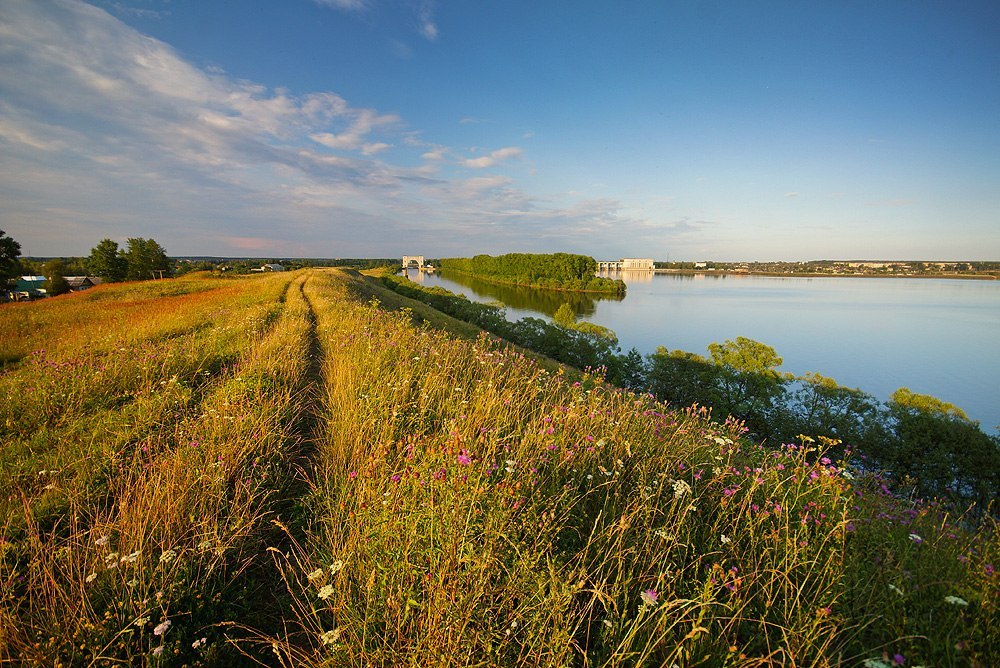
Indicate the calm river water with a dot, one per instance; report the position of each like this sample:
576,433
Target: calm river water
934,336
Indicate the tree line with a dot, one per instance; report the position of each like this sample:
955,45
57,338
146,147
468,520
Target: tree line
140,259
926,446
559,271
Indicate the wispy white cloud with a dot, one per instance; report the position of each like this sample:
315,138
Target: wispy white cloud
493,158
107,132
791,195
349,5
425,15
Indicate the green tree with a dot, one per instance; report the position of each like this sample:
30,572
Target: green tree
146,259
10,250
564,316
56,284
749,385
107,261
939,449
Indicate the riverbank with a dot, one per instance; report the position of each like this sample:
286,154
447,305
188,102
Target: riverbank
806,274
617,291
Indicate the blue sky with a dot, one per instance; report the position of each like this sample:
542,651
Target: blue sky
367,128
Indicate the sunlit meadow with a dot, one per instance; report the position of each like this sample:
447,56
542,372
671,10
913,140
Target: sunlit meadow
284,469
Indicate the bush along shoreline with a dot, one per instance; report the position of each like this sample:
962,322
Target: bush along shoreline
553,271
924,446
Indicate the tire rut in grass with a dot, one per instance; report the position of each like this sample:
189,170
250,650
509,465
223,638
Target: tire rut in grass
267,603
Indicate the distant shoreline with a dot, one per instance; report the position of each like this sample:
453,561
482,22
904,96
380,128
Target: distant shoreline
777,274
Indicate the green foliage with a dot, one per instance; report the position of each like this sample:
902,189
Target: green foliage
559,271
904,398
145,259
56,283
107,261
10,250
564,316
927,445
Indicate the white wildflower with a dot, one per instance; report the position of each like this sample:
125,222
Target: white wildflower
330,637
102,541
336,566
162,628
130,558
896,589
167,556
199,643
681,488
326,592
91,577
316,575
955,600
725,540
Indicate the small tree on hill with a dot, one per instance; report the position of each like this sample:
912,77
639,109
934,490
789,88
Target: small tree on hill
107,261
56,284
10,250
144,257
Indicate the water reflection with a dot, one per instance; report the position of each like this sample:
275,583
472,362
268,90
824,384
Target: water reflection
520,297
630,275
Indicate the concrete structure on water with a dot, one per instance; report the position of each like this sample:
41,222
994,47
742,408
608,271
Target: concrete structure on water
410,260
626,264
416,261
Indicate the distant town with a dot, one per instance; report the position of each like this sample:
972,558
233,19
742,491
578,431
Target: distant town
896,268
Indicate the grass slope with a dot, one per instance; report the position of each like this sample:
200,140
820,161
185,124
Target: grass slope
276,469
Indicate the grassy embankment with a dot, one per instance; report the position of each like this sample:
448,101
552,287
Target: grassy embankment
438,502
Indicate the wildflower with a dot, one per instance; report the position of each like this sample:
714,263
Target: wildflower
162,628
91,577
916,539
167,556
681,488
130,558
330,637
102,541
896,589
463,458
157,651
199,643
875,663
955,600
724,539
336,566
326,592
352,475
649,597
316,575
898,659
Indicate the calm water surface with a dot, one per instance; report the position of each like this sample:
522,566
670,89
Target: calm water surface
934,336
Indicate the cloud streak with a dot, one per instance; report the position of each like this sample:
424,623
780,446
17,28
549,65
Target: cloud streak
106,132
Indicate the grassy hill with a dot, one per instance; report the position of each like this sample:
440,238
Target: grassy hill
280,468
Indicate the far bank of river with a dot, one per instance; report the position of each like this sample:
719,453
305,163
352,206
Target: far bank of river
934,336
